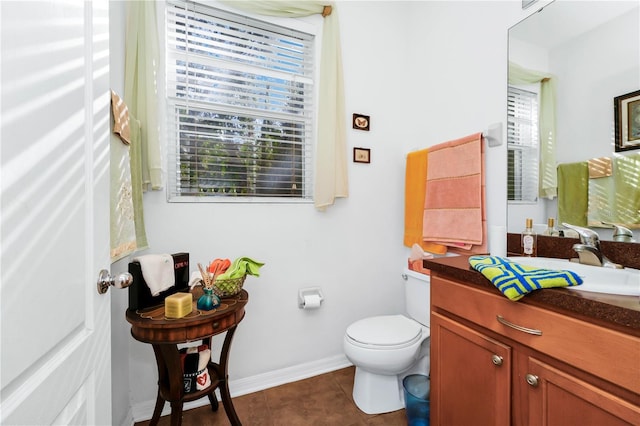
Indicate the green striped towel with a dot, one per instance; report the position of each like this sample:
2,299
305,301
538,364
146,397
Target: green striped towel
515,280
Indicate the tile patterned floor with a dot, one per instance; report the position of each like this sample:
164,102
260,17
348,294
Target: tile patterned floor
323,400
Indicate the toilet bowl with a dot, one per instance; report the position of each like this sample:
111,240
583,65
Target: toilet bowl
385,349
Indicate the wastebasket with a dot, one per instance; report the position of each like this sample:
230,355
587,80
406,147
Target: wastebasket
416,397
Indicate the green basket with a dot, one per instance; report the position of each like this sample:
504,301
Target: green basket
228,288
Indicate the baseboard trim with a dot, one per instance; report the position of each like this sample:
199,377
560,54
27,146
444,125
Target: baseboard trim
128,419
144,410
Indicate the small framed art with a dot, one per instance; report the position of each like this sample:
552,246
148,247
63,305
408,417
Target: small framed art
361,155
361,122
627,121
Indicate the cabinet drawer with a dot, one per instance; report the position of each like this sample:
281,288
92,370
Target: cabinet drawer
605,353
210,328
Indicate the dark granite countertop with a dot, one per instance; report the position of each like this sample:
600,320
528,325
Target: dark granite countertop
612,311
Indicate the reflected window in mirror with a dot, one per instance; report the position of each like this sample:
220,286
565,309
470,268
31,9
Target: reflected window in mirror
522,145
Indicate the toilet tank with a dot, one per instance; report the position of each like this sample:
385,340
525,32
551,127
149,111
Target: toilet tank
417,291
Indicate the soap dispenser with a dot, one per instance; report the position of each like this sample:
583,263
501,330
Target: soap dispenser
529,240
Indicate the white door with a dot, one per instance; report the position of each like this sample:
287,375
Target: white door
54,212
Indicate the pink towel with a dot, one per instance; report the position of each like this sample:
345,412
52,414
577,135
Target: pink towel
454,204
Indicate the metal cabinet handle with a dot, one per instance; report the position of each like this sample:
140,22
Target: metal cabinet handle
496,359
533,331
532,380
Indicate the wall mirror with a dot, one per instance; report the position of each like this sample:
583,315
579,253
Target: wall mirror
592,48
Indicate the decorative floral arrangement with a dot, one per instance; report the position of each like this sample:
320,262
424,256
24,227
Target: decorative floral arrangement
226,278
218,266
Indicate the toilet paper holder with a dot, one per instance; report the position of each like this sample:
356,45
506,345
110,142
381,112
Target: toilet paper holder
305,293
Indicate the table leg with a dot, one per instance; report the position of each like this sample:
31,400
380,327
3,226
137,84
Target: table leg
213,401
162,378
224,379
157,410
169,379
176,413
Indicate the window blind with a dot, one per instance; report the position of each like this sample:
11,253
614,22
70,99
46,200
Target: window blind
522,145
240,105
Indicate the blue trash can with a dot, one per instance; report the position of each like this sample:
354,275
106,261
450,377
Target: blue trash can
416,399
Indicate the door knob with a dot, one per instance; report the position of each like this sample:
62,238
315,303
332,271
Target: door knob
105,280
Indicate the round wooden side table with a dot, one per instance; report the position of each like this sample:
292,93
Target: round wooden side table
164,334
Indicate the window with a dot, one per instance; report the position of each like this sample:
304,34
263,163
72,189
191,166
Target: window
240,100
522,145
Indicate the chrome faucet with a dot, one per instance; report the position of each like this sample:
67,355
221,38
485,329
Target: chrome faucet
620,233
588,250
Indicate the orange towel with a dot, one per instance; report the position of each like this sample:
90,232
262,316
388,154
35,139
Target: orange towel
454,202
414,195
600,167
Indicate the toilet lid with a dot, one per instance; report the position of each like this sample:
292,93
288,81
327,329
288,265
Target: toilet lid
385,331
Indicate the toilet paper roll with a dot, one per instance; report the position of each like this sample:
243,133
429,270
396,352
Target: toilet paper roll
311,301
498,240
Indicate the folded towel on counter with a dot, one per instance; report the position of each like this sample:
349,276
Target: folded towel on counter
241,266
157,271
415,186
573,193
515,280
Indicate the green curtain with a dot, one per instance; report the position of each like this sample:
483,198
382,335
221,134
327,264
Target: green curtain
141,86
548,180
330,157
141,97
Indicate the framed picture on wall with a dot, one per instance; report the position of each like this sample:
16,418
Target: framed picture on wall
361,155
627,121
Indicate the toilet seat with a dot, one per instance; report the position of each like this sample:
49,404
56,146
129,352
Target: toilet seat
384,332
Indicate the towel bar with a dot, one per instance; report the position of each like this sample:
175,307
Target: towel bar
493,135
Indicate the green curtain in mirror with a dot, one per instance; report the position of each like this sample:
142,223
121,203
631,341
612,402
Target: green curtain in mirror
548,181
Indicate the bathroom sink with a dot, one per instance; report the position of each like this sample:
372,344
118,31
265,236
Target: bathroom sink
596,279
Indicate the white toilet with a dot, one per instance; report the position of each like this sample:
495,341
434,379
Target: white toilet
387,348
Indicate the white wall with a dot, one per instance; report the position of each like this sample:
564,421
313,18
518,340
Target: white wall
425,72
608,69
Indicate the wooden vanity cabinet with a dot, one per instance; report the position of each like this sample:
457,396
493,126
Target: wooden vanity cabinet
470,375
554,370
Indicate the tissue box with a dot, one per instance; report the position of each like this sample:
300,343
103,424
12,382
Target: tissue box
178,305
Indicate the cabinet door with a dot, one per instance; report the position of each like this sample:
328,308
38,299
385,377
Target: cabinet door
558,398
470,376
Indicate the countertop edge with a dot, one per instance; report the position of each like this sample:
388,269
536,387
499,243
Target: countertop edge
621,313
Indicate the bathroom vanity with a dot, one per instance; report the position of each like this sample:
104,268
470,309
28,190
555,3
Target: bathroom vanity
557,356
